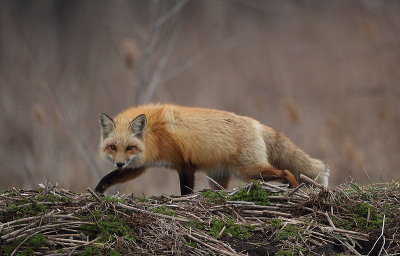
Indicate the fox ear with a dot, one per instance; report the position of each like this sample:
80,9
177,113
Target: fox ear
107,125
138,124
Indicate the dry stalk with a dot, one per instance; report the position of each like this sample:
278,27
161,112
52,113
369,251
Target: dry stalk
159,234
152,213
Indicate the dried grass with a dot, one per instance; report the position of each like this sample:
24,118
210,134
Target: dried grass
312,221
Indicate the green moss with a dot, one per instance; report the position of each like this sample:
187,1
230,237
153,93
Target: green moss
209,194
231,228
289,231
90,230
164,210
7,250
12,208
28,248
105,226
342,223
275,224
37,241
391,209
374,221
197,224
142,199
216,227
113,253
129,237
214,196
192,244
362,209
256,194
25,208
113,199
91,251
95,215
358,218
369,192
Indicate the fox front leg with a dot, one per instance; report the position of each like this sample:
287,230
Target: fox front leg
118,176
186,178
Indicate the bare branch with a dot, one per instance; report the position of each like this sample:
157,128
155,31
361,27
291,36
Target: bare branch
178,6
156,78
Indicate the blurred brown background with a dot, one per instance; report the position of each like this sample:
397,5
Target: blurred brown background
326,73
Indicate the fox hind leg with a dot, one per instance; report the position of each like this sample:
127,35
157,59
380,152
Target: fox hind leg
271,173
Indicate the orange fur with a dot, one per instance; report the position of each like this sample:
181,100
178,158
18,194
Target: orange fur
219,142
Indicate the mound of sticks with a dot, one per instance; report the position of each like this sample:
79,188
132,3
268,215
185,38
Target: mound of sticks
307,220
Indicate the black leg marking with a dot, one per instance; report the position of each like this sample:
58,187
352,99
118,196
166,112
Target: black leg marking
105,182
186,179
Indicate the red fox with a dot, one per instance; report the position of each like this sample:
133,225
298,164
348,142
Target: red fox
188,139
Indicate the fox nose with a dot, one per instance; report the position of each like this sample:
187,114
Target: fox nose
120,165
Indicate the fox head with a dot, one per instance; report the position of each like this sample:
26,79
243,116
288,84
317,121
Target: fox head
123,143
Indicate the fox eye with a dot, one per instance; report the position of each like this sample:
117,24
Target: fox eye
129,148
113,147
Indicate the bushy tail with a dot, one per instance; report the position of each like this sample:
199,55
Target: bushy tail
285,155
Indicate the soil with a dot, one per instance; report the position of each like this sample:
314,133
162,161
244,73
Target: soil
261,243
